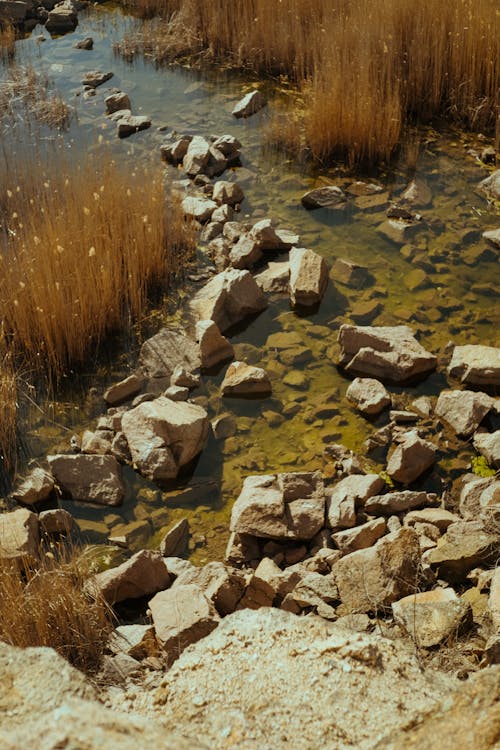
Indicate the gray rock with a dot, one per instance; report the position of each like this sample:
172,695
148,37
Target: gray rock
197,156
349,273
221,584
165,351
465,546
493,237
360,537
35,488
87,44
130,124
475,364
344,496
62,18
88,478
56,521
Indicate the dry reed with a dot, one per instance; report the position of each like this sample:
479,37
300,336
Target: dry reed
25,96
366,68
7,41
46,605
81,247
8,411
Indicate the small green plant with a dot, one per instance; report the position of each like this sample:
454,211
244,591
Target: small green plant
481,467
387,479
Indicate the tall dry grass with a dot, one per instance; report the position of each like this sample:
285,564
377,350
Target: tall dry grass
365,67
80,248
7,41
8,410
46,605
26,97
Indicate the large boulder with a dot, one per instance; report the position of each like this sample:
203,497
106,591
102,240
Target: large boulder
371,579
410,458
387,353
62,18
88,478
143,574
463,410
228,299
19,536
165,351
308,277
197,156
164,435
286,506
245,380
475,364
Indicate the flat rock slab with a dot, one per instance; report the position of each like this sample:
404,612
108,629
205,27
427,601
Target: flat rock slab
88,478
387,353
95,78
166,350
144,574
19,536
250,104
396,502
228,298
368,395
182,616
476,364
245,380
463,410
431,617
330,196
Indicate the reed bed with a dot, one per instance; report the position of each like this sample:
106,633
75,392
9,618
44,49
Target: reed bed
45,604
80,248
26,97
366,69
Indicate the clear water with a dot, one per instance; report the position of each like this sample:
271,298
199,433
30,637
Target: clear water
456,302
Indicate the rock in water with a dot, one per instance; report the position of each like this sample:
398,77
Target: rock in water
308,277
228,299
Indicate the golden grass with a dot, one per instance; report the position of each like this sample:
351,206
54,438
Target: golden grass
47,606
8,411
366,68
7,41
81,246
25,95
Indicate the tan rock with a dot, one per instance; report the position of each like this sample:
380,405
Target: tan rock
371,579
214,347
227,192
144,574
134,535
396,502
198,208
308,277
88,478
221,584
228,299
56,521
138,641
436,516
368,395
488,445
343,497
465,545
275,278
360,537
124,390
19,536
245,380
182,616
431,617
176,540
472,498
411,458
463,410
35,488
165,351
250,104
494,600
197,156
476,364
387,353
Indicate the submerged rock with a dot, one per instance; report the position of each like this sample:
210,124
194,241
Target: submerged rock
95,78
330,196
35,488
488,444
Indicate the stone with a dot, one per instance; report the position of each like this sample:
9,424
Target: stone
313,590
164,435
223,214
360,537
95,78
133,535
129,124
488,445
387,353
493,237
227,192
196,157
124,390
224,427
143,574
165,351
371,579
138,641
395,502
183,377
329,196
19,536
15,11
176,540
343,497
471,494
287,506
62,18
308,277
399,231
270,239
228,299
431,617
196,207
275,278
494,601
214,347
35,488
245,380
463,410
88,478
466,545
56,521
410,458
98,442
368,395
246,252
491,185
418,193
177,393
250,104
475,364
350,274
181,616
220,583
228,145
87,44
117,101
438,517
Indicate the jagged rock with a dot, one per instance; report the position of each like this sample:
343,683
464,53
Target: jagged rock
19,536
398,230
475,364
463,410
342,498
181,616
165,351
308,277
329,196
287,506
124,390
269,584
246,252
387,353
87,44
491,185
227,192
223,427
196,157
438,517
144,574
184,377
360,537
35,488
129,124
411,458
431,617
313,590
245,380
117,101
472,498
228,299
164,435
88,478
223,214
56,521
98,442
275,278
488,445
177,393
369,395
250,104
221,584
95,78
396,502
62,18
176,540
373,578
198,208
349,273
214,347
465,545
174,153
138,641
